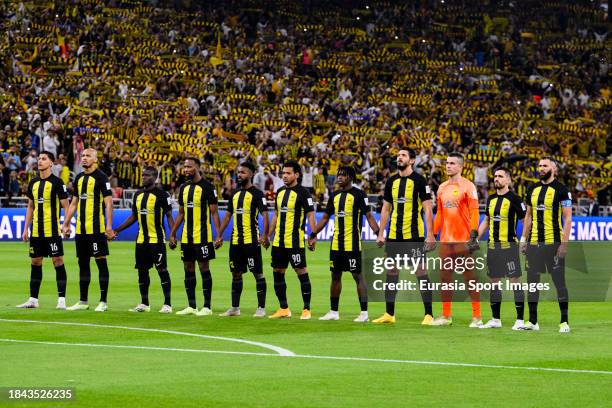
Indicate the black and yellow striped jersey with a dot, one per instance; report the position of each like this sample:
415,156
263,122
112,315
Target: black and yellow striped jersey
90,190
504,212
546,202
195,198
124,170
245,206
292,205
348,207
136,175
149,208
165,176
406,196
46,195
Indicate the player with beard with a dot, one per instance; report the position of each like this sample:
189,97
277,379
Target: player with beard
92,191
504,210
198,203
407,198
245,249
546,232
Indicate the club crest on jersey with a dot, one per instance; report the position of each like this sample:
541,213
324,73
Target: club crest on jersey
455,192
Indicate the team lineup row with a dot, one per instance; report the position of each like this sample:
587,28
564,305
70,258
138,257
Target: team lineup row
406,217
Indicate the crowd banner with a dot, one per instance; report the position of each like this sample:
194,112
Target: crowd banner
12,222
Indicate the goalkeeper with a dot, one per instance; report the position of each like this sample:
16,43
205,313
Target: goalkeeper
457,222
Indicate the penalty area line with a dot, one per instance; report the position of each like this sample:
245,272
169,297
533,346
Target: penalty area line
315,357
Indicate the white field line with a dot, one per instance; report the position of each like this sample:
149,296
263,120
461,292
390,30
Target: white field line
288,354
279,350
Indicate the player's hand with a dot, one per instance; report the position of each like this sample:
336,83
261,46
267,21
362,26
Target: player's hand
66,231
110,234
430,244
312,243
562,250
218,242
172,242
24,236
380,241
473,244
523,247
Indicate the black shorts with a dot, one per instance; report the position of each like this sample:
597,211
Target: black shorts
282,257
197,252
149,255
542,258
243,258
41,247
91,245
345,261
412,247
503,263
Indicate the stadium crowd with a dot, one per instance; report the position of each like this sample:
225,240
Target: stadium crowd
327,82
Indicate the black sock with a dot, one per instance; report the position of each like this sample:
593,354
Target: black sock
533,312
261,287
35,280
207,287
143,285
390,294
84,279
306,289
426,294
363,304
280,288
236,291
496,298
60,279
104,277
166,284
334,301
190,287
563,307
519,304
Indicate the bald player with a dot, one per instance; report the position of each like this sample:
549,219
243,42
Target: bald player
92,193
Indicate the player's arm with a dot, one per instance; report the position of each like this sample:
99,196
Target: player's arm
272,226
527,222
430,237
28,220
177,223
439,220
566,213
68,215
329,210
224,223
312,223
108,206
214,211
263,239
170,219
126,224
384,220
474,218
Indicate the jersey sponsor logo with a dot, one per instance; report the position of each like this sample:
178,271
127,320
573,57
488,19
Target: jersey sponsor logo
83,196
284,209
190,204
498,218
310,202
450,204
144,211
239,211
541,207
108,186
404,200
341,214
41,200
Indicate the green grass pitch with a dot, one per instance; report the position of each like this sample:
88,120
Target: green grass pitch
337,364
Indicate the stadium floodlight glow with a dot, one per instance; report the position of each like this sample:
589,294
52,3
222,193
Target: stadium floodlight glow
358,18
396,37
305,29
367,7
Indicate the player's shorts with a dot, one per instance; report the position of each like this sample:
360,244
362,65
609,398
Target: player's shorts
150,255
91,245
411,247
503,263
345,261
41,247
197,252
542,258
282,257
243,258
